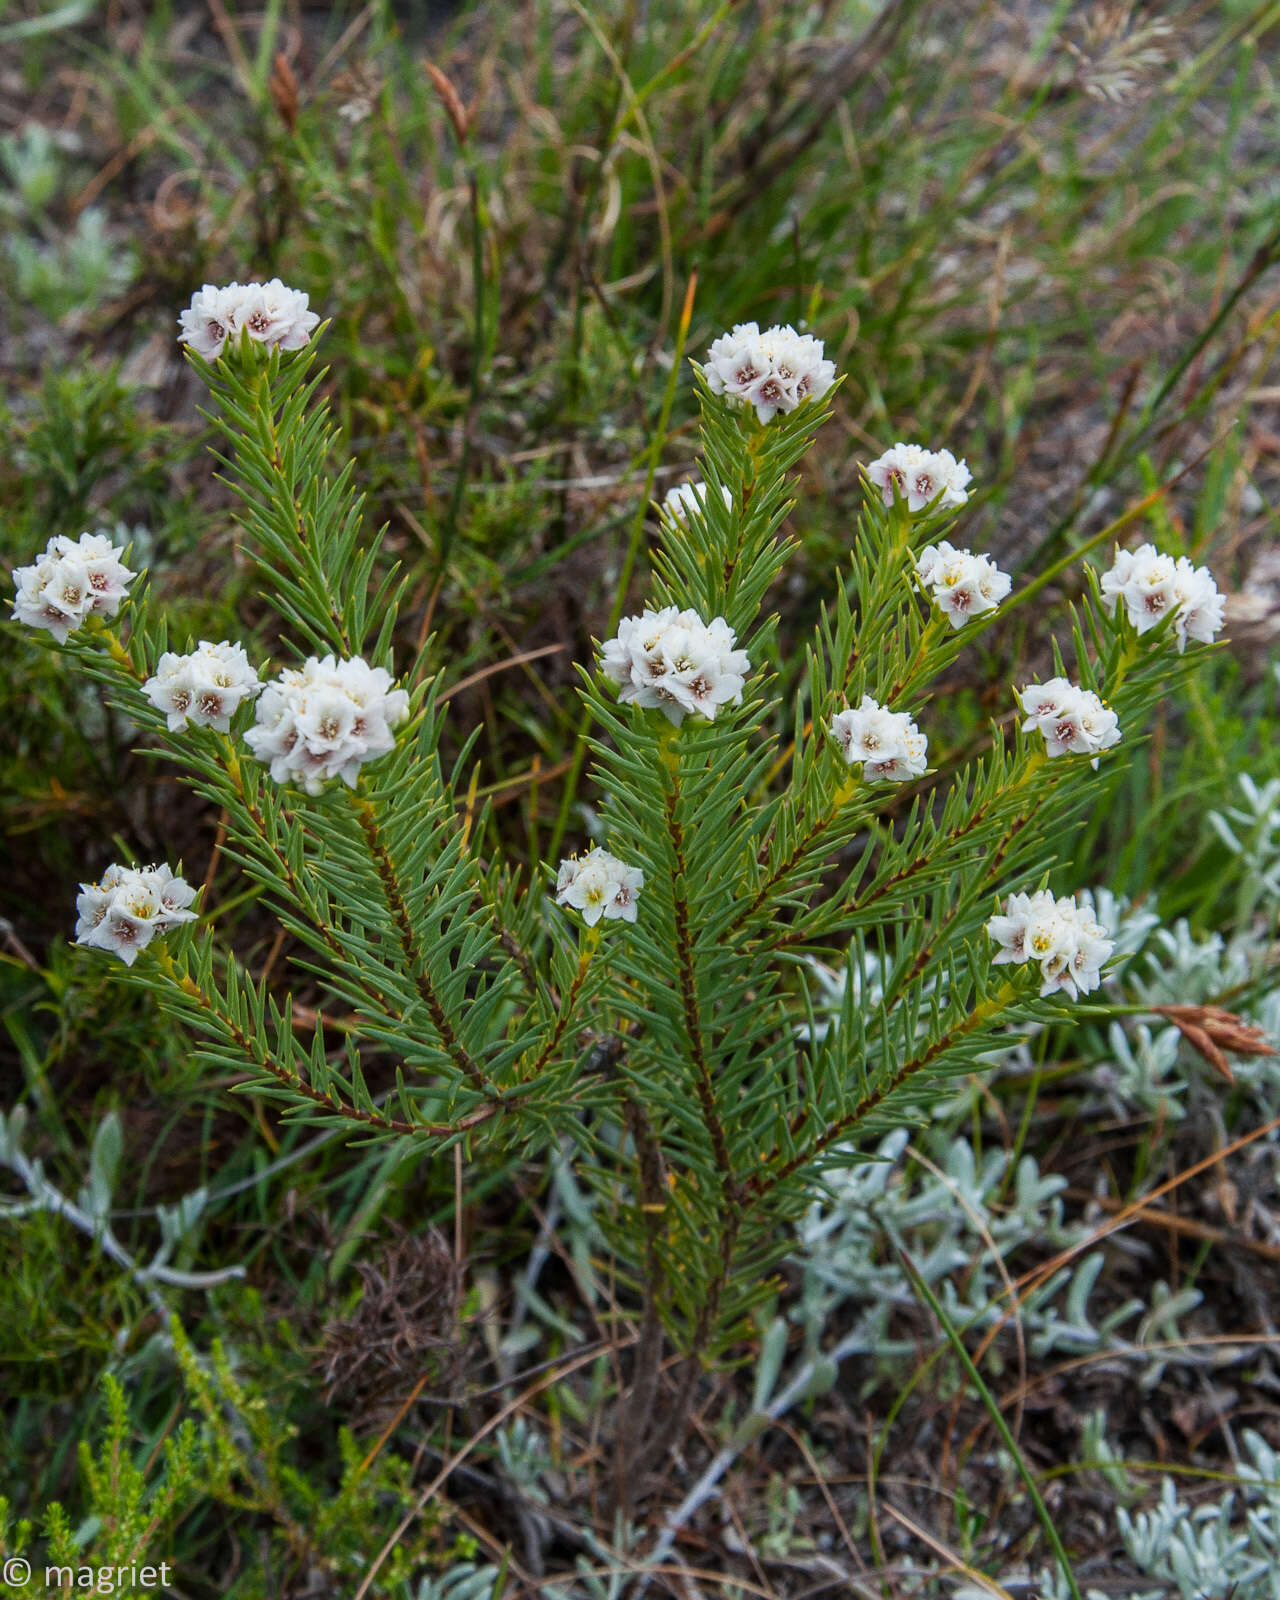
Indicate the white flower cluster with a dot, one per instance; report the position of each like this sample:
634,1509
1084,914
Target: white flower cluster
325,719
69,582
673,660
205,686
128,906
1152,585
272,313
772,371
1062,936
964,585
677,503
1073,720
598,886
919,476
889,745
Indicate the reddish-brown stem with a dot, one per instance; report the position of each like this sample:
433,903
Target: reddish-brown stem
702,1081
385,869
262,1059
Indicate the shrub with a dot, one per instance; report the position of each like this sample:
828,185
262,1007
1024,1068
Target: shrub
657,1015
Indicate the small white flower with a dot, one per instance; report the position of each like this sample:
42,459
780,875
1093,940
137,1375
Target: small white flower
1010,930
673,660
273,315
1073,720
964,585
1062,938
325,719
207,323
628,885
772,371
1152,585
919,476
1200,606
72,580
599,885
1093,947
205,686
129,906
678,502
887,743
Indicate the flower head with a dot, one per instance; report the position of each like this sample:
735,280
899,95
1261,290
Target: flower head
71,581
772,371
673,660
1073,720
599,885
1064,939
205,686
887,743
963,585
272,314
128,906
919,476
678,502
325,719
1153,585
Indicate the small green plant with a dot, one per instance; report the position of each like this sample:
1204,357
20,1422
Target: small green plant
121,1545
231,1450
